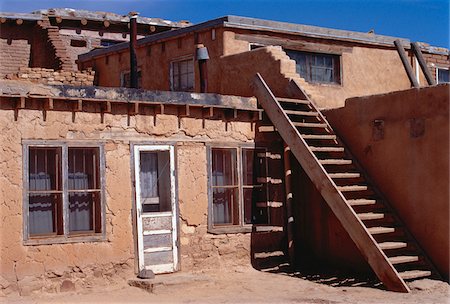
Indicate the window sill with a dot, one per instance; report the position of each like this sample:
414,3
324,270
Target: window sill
324,84
64,240
244,229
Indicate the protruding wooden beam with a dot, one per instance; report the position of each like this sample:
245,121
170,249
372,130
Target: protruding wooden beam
106,23
3,20
59,19
19,21
152,28
83,21
416,49
78,105
49,104
20,104
161,106
406,64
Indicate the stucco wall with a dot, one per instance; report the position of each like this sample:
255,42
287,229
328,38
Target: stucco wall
410,163
53,268
365,69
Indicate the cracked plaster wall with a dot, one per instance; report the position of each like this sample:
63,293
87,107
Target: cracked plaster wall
61,267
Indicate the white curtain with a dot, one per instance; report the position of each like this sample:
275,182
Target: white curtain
148,175
80,204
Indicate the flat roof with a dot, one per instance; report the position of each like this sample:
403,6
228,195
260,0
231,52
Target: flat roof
269,26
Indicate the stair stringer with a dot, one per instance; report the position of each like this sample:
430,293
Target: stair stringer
326,186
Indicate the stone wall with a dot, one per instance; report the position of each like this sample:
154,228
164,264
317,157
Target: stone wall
52,77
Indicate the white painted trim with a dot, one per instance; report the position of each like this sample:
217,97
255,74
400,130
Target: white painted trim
157,249
140,237
416,63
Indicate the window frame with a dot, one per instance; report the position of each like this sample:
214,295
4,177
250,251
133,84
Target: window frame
335,56
171,72
437,73
123,75
242,227
66,237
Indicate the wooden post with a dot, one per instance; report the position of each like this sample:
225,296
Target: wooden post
406,64
423,65
289,205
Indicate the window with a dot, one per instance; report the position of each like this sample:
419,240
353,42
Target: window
78,43
183,75
442,75
63,192
125,80
317,68
238,191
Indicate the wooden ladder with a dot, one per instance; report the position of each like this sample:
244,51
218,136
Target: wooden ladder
377,231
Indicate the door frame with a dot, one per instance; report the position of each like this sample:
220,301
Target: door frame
136,149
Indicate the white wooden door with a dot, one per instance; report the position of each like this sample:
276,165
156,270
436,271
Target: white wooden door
156,208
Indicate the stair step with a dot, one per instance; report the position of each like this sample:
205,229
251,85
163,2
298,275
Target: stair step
392,245
414,274
401,259
335,161
318,136
380,230
361,202
370,216
344,175
292,100
309,125
327,149
301,113
352,188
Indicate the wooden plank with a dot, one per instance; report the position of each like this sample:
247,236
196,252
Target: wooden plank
346,215
423,65
392,245
155,223
406,64
402,259
414,274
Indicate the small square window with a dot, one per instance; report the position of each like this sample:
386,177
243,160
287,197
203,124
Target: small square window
442,75
183,75
125,80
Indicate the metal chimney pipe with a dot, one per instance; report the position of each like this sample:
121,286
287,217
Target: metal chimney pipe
202,57
133,57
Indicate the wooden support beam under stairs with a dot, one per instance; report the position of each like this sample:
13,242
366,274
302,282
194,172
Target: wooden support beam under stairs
364,237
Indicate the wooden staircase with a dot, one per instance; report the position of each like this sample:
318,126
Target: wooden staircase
377,231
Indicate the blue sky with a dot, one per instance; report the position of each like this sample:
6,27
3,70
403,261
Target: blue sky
418,20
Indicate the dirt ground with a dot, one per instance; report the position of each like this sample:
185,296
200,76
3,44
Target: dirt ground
244,285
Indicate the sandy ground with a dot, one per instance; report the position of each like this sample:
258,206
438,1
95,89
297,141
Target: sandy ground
244,285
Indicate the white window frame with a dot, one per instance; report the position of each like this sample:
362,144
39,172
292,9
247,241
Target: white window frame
437,72
66,237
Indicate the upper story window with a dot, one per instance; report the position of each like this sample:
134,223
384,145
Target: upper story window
182,75
442,75
238,189
316,67
63,193
125,80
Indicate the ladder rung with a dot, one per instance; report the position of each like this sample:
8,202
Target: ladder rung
344,175
351,188
292,100
318,136
380,230
335,161
414,274
370,216
361,202
402,259
392,245
327,149
309,125
301,113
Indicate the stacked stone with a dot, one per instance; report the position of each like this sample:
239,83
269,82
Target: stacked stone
52,77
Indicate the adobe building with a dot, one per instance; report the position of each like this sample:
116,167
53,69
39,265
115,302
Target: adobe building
102,182
53,38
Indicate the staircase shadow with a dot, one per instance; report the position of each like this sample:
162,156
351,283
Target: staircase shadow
334,279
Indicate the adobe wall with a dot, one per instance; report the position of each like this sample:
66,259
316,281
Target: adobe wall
408,158
52,77
15,45
61,267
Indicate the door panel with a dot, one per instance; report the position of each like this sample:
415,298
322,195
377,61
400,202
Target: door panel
155,207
